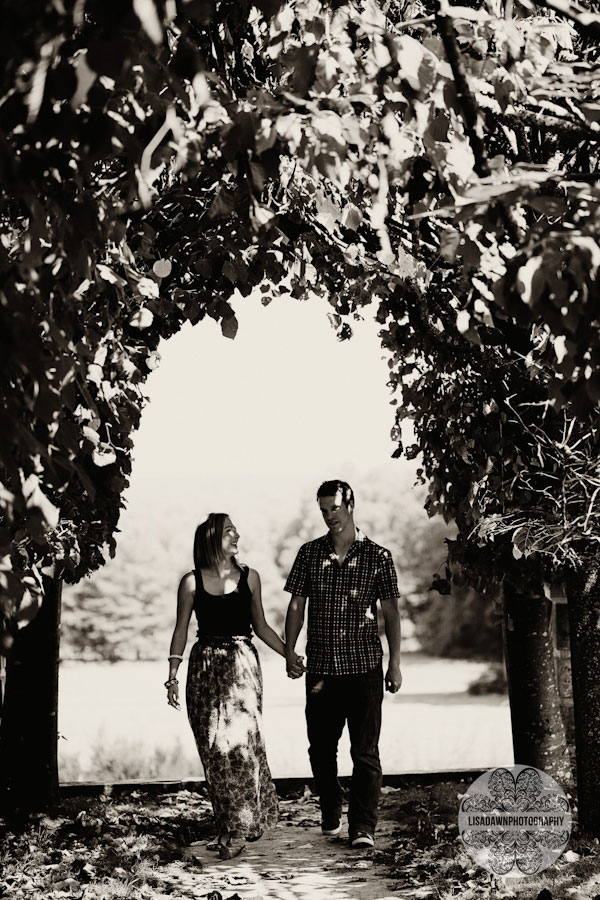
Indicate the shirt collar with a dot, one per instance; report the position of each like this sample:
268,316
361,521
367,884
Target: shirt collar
359,537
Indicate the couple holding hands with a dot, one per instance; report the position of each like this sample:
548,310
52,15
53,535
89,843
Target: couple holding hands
342,575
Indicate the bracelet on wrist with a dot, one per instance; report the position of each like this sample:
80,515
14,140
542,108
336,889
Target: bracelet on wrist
171,681
175,656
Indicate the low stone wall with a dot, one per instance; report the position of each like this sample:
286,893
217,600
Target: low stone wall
285,786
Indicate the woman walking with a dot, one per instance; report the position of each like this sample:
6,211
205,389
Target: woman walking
224,683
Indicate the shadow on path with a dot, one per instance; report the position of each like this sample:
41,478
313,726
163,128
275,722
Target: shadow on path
295,862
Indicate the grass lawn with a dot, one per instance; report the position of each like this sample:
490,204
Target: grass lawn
115,724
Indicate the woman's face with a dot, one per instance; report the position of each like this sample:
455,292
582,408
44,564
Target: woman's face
230,538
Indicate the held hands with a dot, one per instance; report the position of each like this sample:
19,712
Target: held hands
393,678
294,664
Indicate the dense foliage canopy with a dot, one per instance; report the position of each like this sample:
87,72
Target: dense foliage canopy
441,161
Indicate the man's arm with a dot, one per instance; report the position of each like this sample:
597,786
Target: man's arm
391,616
294,621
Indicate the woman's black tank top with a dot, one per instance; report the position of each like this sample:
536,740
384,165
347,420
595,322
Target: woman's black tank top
223,615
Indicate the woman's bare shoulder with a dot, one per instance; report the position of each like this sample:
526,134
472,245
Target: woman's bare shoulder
253,576
188,582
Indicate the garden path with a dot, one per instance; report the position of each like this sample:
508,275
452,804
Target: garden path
295,862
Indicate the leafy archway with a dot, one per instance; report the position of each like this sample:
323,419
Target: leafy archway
156,157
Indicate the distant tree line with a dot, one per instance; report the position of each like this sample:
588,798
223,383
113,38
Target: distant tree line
125,610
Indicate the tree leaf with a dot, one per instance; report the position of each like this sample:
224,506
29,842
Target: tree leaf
201,12
442,586
410,54
153,361
592,387
222,205
463,321
530,280
548,206
85,79
108,274
449,243
269,7
104,455
229,327
148,288
107,56
146,12
352,217
229,271
162,268
438,128
261,215
303,64
143,318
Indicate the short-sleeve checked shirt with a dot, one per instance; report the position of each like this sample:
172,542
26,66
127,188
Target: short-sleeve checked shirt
342,603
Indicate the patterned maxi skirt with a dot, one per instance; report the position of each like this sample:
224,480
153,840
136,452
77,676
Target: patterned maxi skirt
224,702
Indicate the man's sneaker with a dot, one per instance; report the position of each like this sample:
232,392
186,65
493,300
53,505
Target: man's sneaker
362,840
331,828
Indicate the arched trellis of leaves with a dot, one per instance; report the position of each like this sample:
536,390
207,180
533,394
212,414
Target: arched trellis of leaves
103,103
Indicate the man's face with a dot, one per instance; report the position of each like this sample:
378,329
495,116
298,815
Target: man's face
336,514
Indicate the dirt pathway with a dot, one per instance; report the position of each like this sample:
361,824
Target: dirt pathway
295,862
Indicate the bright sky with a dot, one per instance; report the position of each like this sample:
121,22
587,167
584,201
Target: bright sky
285,402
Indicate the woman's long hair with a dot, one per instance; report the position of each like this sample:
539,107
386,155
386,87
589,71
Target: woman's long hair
208,541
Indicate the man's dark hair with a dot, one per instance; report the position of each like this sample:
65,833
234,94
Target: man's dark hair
330,489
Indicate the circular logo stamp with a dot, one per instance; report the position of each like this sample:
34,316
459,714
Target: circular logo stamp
515,821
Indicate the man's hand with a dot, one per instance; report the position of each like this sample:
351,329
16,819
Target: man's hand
393,678
294,664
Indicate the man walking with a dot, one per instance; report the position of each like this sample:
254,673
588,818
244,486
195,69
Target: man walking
342,575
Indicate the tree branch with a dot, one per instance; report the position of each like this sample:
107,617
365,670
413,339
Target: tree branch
553,123
587,22
468,104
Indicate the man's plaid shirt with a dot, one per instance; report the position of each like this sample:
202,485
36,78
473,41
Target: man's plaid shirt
342,603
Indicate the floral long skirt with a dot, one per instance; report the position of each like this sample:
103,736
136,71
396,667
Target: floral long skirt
224,703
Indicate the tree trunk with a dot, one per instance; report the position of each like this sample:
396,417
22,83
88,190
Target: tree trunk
539,737
29,728
583,594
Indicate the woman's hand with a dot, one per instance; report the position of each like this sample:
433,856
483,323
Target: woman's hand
294,664
173,695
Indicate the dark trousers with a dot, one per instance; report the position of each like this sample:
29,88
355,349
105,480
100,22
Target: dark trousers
331,701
